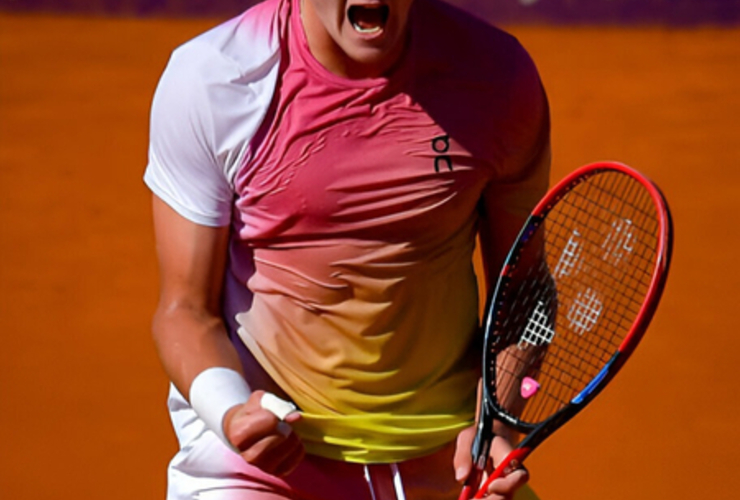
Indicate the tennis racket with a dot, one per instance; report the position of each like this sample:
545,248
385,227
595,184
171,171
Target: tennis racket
574,297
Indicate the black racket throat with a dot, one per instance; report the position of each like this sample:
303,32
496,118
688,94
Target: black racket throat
489,413
483,437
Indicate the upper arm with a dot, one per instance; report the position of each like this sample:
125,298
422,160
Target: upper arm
192,260
505,208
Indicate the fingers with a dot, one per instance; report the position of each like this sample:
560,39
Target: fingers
276,455
463,461
263,439
514,475
505,487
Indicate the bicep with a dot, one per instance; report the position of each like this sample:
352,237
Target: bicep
192,259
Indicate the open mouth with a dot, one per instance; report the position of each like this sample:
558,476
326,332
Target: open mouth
368,18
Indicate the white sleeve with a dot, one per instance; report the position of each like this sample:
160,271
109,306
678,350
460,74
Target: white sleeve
209,104
184,169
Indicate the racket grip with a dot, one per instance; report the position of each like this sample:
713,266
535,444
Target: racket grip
471,483
512,461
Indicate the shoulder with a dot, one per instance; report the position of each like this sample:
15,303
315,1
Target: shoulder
221,81
456,42
209,104
237,50
481,85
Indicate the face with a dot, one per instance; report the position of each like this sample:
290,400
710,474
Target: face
356,38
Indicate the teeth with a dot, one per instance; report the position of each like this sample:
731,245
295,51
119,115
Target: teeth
359,28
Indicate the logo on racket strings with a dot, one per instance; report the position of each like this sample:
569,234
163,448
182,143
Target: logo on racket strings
585,311
620,242
570,256
539,329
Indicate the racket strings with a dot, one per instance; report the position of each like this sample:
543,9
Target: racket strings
571,313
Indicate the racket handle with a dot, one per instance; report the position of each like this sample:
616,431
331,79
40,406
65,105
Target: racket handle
471,483
512,461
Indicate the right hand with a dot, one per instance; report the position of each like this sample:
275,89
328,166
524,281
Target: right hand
503,488
263,440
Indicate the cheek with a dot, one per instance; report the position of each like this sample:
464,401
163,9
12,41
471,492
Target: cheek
403,7
330,13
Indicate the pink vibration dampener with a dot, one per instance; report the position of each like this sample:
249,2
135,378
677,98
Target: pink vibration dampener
529,387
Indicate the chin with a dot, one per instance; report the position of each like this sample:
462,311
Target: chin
372,60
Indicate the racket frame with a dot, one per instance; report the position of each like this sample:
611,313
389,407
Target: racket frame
535,434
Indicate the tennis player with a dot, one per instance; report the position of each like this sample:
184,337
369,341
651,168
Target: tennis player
321,170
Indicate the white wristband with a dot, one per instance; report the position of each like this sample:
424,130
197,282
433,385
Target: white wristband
214,392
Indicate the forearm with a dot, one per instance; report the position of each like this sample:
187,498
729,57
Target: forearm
190,341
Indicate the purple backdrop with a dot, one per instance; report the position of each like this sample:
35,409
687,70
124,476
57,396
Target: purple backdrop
680,12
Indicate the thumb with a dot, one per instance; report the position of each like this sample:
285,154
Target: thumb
463,460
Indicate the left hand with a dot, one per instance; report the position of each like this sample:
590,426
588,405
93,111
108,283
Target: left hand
502,488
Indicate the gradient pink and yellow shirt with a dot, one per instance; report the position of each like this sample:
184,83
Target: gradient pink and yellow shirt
354,206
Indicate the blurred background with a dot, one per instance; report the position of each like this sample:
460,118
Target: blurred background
685,12
653,83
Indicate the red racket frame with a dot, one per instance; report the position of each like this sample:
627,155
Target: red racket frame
538,433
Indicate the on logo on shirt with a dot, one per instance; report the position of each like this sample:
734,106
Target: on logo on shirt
441,145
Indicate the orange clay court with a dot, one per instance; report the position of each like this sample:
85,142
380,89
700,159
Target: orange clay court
82,396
